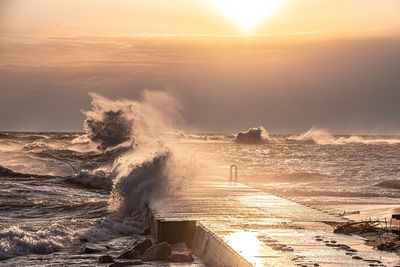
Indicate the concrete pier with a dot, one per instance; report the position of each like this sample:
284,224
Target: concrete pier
264,229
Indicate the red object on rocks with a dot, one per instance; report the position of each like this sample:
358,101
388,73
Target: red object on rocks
181,253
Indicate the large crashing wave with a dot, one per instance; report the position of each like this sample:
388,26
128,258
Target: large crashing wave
141,172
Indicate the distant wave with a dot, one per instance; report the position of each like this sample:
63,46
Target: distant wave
5,172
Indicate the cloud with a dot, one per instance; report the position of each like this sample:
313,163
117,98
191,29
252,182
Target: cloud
288,83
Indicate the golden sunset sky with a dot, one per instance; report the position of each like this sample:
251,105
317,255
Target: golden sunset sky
199,16
286,64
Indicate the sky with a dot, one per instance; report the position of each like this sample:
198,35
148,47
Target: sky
330,64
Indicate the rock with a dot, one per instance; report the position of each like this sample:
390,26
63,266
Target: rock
157,252
129,254
357,258
180,247
105,259
388,246
126,263
142,246
343,247
136,250
181,257
90,249
288,249
181,253
147,231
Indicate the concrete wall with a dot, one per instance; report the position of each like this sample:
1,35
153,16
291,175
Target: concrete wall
213,251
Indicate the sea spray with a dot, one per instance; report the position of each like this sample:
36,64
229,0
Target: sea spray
316,136
148,165
113,123
139,174
323,137
253,136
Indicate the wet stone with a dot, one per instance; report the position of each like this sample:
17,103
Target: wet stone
157,252
130,255
373,261
126,263
105,259
343,247
136,250
288,249
181,253
181,257
90,249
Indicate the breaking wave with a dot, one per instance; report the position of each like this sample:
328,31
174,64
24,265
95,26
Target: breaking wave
134,162
5,172
17,240
253,136
142,171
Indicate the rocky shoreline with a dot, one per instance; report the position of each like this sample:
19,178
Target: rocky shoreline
142,250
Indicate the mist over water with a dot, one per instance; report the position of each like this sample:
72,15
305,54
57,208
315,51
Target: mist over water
323,137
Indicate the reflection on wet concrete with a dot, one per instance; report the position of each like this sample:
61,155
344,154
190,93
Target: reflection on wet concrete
268,230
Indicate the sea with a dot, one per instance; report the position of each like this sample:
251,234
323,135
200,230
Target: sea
61,190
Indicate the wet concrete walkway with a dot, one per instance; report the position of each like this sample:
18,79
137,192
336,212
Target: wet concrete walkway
268,230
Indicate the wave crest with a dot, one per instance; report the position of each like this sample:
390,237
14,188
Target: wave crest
253,136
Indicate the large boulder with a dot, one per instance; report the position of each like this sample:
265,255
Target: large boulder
136,250
157,252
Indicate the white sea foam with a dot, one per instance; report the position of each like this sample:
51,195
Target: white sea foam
323,137
16,240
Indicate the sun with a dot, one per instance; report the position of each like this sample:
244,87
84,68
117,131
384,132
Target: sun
247,13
